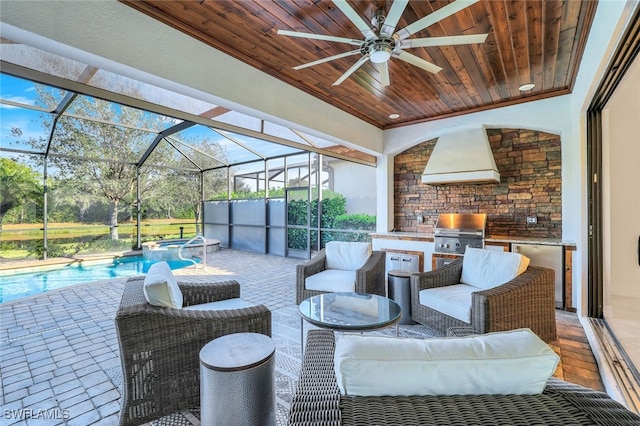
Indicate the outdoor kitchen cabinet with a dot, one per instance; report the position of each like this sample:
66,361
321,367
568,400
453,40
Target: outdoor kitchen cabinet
547,256
497,246
550,253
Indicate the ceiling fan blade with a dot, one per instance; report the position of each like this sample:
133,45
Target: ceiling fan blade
434,17
443,41
321,37
351,70
390,22
330,58
418,62
383,69
356,19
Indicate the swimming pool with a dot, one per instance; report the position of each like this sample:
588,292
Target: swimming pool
16,286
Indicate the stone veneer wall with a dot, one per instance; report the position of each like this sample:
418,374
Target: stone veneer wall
530,167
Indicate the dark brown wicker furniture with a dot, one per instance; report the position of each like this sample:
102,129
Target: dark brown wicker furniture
369,279
524,302
317,401
159,347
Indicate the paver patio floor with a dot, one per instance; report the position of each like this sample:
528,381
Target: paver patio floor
59,359
57,349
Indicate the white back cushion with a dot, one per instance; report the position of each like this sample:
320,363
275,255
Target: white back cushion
486,269
161,288
347,256
510,362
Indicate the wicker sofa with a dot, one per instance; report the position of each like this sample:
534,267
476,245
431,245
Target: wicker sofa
159,347
318,401
526,301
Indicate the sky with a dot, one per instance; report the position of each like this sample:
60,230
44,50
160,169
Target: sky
30,122
24,92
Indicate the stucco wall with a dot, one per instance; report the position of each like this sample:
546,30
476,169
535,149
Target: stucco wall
361,192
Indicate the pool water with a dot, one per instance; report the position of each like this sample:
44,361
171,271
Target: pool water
16,286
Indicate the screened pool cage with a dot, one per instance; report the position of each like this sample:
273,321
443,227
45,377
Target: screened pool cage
88,170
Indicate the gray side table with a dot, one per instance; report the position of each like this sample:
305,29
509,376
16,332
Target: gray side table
400,291
237,380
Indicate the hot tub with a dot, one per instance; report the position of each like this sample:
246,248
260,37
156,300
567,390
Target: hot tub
168,249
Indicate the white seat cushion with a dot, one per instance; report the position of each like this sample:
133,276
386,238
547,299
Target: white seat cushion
510,362
161,288
221,305
346,256
486,269
331,280
452,300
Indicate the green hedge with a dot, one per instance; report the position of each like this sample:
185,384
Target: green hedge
333,217
297,215
355,221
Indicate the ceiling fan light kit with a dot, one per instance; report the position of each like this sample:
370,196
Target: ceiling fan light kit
380,52
382,42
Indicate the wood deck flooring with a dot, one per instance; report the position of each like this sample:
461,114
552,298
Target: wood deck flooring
577,363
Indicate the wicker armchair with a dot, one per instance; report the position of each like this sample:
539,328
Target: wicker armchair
159,347
370,277
524,302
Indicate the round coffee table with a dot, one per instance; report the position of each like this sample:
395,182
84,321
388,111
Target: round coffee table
349,312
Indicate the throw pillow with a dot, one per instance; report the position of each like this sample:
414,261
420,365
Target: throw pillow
486,269
512,362
161,288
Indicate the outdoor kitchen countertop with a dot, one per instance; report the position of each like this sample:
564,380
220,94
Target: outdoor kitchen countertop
403,235
427,237
529,240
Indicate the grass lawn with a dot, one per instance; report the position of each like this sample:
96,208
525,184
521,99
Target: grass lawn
25,240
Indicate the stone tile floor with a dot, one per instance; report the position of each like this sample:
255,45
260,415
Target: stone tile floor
59,361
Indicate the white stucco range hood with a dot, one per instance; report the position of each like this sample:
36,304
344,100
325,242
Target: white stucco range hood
461,157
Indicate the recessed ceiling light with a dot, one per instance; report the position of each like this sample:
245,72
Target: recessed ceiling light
394,116
526,87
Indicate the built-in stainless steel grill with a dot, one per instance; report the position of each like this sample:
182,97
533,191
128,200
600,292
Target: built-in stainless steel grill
455,232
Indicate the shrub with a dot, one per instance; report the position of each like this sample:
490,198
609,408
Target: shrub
356,221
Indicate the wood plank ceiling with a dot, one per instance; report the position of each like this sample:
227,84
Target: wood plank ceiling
530,41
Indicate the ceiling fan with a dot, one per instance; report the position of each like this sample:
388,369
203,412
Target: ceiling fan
382,41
